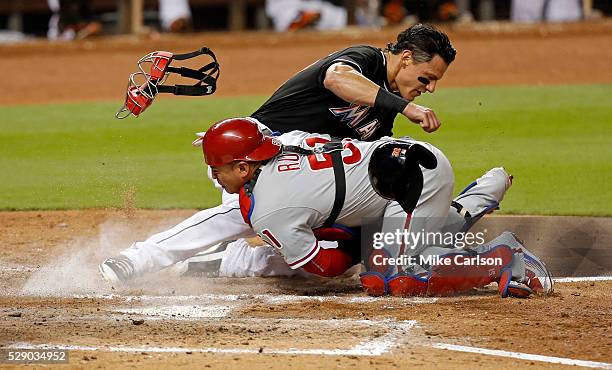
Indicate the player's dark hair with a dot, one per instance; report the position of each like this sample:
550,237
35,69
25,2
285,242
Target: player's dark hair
424,41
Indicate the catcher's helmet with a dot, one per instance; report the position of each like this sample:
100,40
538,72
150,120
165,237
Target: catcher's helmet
237,139
395,173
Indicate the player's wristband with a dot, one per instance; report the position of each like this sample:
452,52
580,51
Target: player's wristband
390,101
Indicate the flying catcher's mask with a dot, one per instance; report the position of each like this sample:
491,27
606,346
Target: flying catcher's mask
143,86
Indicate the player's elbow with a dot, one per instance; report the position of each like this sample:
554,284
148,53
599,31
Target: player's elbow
336,77
332,81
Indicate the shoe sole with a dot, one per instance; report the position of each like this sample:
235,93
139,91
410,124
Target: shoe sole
108,274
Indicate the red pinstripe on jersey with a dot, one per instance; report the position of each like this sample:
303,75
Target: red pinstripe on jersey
269,236
307,257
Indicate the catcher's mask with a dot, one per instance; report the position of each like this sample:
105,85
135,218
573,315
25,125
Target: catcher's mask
143,86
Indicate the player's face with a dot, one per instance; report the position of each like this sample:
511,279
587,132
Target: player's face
413,79
231,176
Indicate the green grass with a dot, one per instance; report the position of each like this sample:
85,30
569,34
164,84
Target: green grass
557,141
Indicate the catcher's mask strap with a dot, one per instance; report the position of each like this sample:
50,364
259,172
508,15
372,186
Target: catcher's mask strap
155,69
206,76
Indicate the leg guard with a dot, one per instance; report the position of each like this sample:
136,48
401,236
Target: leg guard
400,285
404,285
459,272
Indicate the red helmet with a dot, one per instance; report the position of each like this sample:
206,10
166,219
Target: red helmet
237,139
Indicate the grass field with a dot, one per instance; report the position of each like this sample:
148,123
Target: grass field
557,141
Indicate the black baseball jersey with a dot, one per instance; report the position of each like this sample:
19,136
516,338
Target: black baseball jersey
303,103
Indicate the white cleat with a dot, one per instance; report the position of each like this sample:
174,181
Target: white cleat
538,278
117,270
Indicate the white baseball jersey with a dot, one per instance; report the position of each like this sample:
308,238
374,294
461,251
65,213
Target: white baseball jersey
294,194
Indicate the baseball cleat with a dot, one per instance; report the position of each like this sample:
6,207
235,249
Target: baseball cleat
117,270
537,278
534,275
526,275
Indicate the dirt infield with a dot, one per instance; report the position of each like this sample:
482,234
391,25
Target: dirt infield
52,297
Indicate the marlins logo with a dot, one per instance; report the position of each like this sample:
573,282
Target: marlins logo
352,117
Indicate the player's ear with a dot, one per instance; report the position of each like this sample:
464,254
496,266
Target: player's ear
245,168
406,58
242,167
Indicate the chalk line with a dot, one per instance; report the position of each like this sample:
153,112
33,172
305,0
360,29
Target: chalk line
179,312
522,356
265,298
583,278
369,347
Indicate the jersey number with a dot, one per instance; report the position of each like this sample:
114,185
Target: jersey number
323,161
